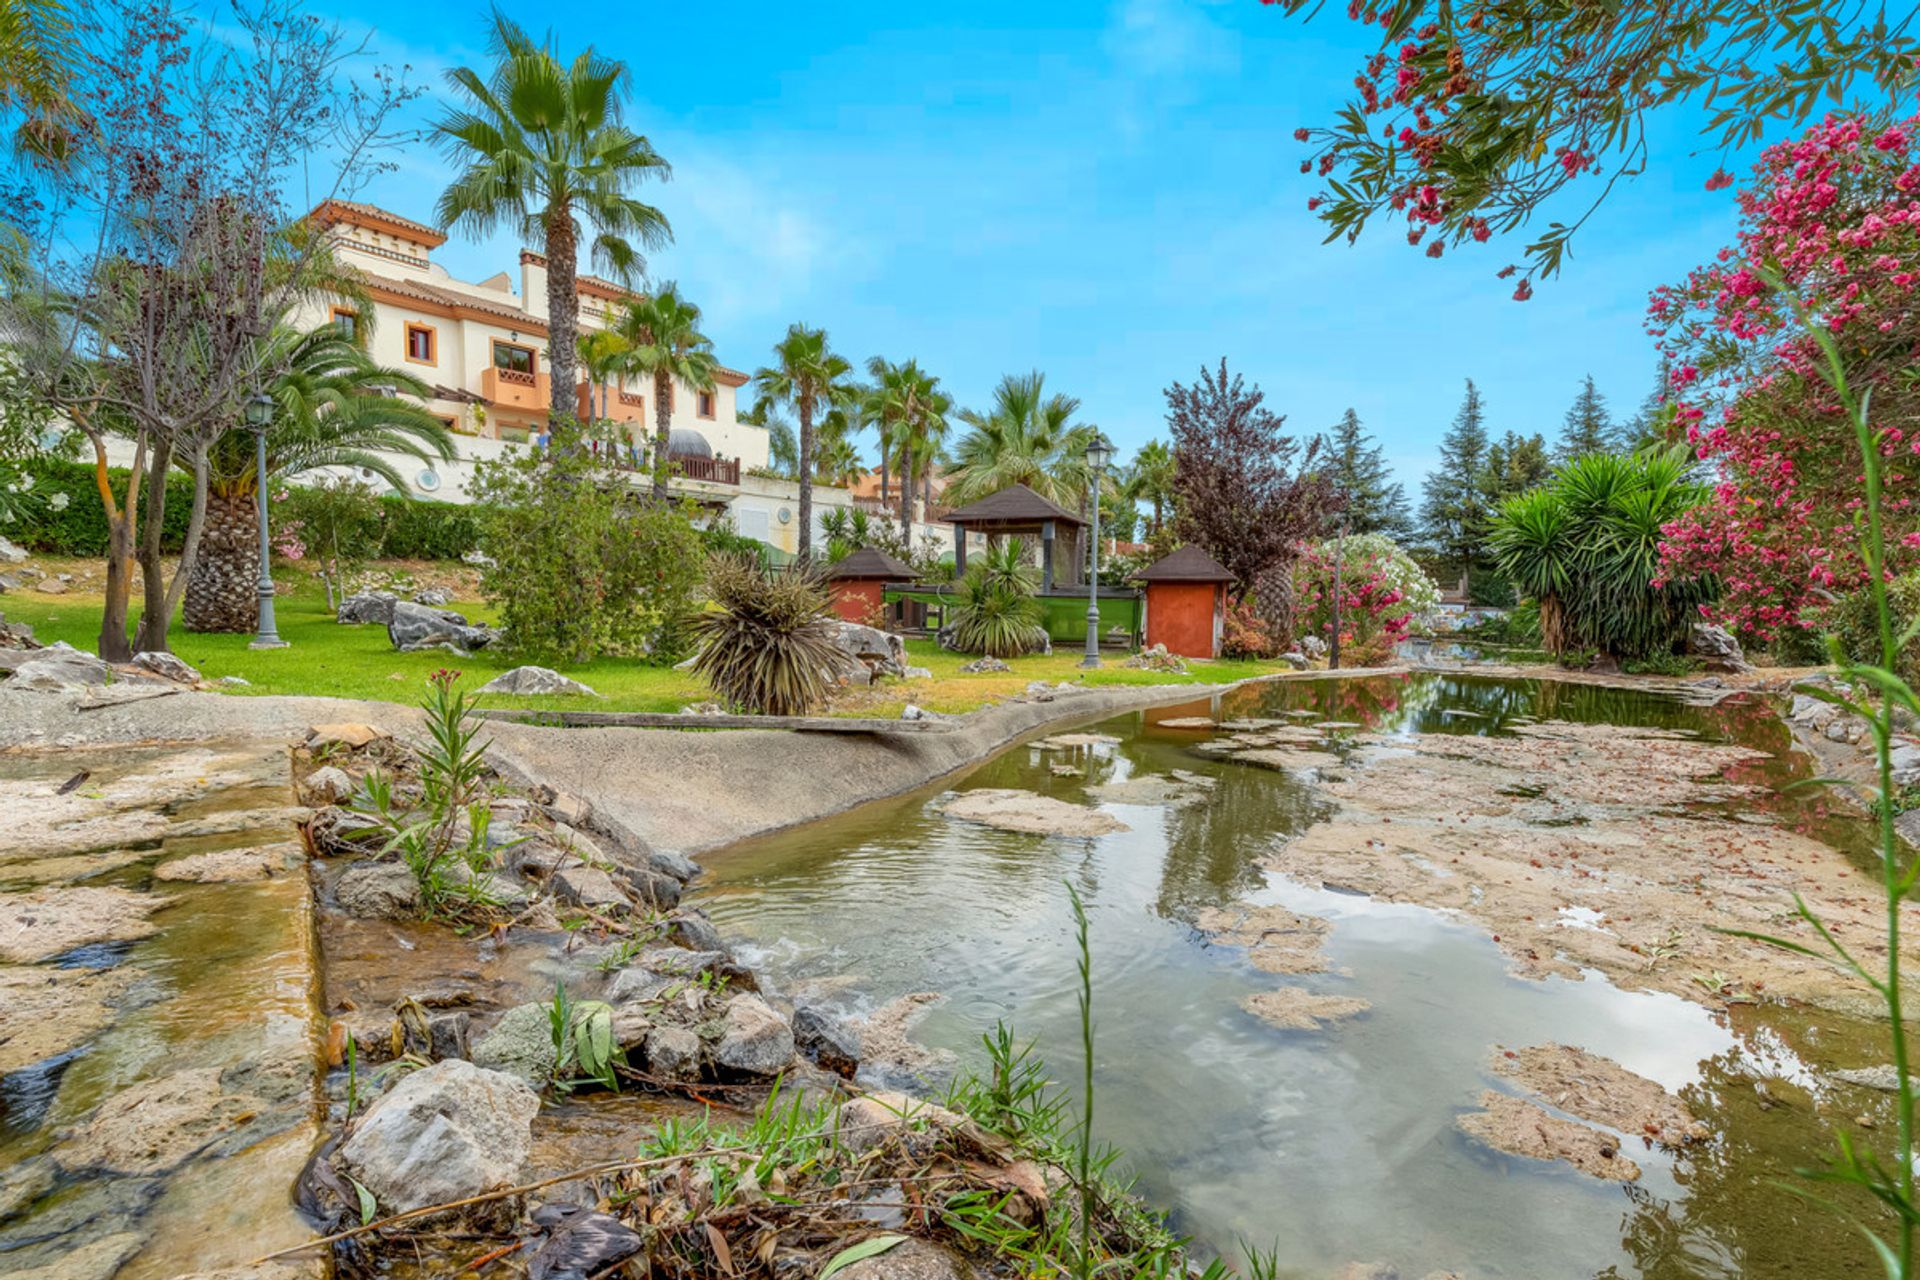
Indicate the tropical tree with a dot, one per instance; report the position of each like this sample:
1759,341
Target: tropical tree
997,613
1587,547
38,53
544,154
1028,437
837,461
602,353
663,342
910,411
334,406
809,376
1150,480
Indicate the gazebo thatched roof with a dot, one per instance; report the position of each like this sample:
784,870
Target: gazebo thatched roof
1014,507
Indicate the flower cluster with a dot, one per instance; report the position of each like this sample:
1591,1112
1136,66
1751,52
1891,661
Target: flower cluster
1834,218
1381,592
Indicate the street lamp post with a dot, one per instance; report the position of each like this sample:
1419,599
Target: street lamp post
259,418
1099,452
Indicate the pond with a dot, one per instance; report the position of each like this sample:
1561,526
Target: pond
1336,1145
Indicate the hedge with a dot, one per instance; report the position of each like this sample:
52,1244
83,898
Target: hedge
410,529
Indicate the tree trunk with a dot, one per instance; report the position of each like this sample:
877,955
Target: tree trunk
806,477
906,497
223,591
563,319
662,428
886,461
1553,625
1273,596
155,621
121,524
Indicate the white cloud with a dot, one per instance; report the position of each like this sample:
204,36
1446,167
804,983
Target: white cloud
1169,40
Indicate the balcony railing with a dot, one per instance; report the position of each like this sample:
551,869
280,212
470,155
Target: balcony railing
713,470
516,377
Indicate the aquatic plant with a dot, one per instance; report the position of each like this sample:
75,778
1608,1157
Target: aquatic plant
998,614
767,646
1877,694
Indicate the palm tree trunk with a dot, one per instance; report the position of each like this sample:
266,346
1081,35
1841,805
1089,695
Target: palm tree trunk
886,461
662,429
563,319
906,499
223,589
806,476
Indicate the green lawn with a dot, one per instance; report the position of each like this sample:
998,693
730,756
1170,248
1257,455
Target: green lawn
326,658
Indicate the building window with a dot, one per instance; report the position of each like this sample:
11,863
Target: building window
420,344
513,358
349,322
705,403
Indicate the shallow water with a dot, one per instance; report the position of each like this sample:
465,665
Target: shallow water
1332,1146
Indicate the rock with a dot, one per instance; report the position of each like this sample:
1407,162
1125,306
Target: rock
691,929
1813,712
445,1132
1157,658
912,1259
755,1041
15,636
234,682
869,650
536,680
366,607
346,734
830,1043
708,708
229,866
1367,1271
918,673
433,596
1718,646
378,891
985,666
1040,691
520,1044
661,893
98,1259
861,1124
914,712
1518,1127
60,668
1292,1009
477,558
680,867
42,924
1313,646
166,666
1026,811
50,587
1601,1091
415,627
23,1183
1884,1078
564,806
1296,660
156,1125
11,553
589,887
326,785
1905,759
673,1053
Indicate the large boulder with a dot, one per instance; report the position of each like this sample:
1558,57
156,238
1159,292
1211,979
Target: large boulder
754,1040
536,680
10,553
415,627
365,607
60,668
1718,647
444,1133
433,596
866,652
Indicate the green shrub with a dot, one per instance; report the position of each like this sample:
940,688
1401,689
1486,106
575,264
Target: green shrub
77,526
997,613
767,648
1854,622
416,529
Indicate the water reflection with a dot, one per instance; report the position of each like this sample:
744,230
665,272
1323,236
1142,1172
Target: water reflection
1337,1146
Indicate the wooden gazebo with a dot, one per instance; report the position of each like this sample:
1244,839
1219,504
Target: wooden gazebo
1186,602
858,580
1018,511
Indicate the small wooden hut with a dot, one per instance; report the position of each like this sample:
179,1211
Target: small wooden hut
1186,602
858,580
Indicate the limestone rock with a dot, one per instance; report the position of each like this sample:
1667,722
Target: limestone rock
755,1040
681,868
415,627
912,1259
326,785
445,1132
536,680
1518,1127
1718,646
433,597
1026,811
830,1043
46,922
691,929
1157,658
378,891
51,587
156,1125
1884,1078
868,651
520,1044
861,1124
367,607
1292,1009
589,887
166,666
673,1053
985,666
11,552
662,893
227,866
913,711
1602,1091
1298,661
60,668
98,1259
348,734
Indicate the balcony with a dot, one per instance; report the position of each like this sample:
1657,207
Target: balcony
512,389
712,470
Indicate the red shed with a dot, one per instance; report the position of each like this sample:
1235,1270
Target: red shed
1186,602
858,581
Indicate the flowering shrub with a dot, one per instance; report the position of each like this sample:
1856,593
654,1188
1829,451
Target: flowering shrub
1244,633
1836,214
1382,591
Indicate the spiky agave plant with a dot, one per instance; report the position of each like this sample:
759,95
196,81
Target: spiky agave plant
997,614
767,647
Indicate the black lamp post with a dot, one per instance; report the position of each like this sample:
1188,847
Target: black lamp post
1099,453
259,418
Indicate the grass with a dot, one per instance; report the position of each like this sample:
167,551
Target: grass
327,659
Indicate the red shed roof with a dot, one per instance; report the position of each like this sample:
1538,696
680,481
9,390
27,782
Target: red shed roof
869,563
1188,564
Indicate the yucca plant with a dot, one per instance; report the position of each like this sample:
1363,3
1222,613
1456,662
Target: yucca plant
767,646
998,614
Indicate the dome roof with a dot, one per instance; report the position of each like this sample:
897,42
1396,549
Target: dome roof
682,443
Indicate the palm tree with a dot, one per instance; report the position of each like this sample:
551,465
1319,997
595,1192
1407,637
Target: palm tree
546,155
912,414
809,376
1028,437
601,355
38,54
1152,478
333,407
664,342
837,461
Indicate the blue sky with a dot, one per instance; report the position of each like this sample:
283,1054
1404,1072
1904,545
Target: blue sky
1109,193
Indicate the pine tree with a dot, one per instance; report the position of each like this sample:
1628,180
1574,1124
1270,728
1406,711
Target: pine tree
1375,504
1515,464
1588,428
1453,507
1649,426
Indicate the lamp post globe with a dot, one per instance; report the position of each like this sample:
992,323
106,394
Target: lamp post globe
1099,453
259,416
